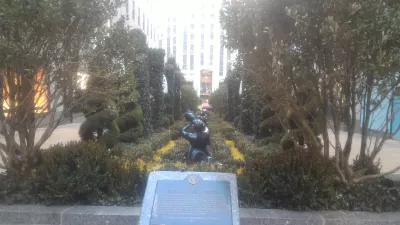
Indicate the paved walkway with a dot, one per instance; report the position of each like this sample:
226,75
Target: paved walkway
62,134
390,154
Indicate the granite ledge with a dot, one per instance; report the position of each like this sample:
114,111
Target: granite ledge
102,215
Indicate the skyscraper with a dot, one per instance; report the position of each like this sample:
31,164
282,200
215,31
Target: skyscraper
144,15
192,34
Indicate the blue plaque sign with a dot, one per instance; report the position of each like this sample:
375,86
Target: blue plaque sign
182,198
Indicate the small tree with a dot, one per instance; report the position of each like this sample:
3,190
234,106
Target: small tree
156,72
189,98
219,100
174,79
40,42
307,57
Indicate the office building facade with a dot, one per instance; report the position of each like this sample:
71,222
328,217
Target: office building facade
193,36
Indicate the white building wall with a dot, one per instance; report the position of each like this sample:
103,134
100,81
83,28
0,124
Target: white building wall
142,14
198,19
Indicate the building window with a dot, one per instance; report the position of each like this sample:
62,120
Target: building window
148,30
212,36
202,59
168,46
174,19
202,45
212,15
144,23
211,54
184,62
174,52
174,40
221,61
191,49
192,26
174,29
160,43
133,10
202,36
191,62
192,36
138,22
202,26
127,9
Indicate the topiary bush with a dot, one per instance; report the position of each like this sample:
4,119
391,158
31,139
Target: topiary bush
102,127
130,119
130,124
132,135
165,122
297,180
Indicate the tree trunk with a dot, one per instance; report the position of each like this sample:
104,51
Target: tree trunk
325,133
367,109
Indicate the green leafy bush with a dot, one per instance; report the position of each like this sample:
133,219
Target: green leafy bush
130,124
130,119
177,153
146,149
132,135
380,195
100,126
165,122
297,180
86,172
236,121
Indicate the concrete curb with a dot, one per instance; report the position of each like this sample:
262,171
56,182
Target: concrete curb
98,215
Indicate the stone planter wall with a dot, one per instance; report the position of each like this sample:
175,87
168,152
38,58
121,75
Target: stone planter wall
93,215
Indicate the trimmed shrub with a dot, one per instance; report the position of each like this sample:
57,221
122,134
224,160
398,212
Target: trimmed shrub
380,195
165,122
146,149
132,135
86,172
110,136
171,119
130,119
296,180
267,112
236,121
178,152
100,126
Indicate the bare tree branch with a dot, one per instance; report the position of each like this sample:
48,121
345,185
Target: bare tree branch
371,177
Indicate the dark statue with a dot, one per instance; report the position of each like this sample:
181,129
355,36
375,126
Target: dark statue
199,139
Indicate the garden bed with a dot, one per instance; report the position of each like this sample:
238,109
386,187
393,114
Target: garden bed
89,174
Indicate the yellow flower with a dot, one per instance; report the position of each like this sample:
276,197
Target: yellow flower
180,164
163,150
240,171
141,163
234,151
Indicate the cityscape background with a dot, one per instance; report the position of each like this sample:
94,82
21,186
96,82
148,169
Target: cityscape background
188,31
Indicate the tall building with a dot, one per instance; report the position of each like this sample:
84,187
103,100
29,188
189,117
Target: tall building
192,34
142,14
